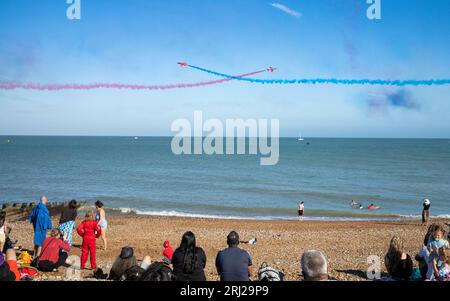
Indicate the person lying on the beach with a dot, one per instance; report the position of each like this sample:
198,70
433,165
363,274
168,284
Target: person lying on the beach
8,266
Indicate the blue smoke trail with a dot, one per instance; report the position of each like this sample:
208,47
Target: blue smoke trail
333,81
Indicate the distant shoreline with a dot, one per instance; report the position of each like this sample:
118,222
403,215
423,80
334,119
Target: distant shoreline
360,218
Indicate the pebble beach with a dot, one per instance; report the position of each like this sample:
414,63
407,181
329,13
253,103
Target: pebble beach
347,245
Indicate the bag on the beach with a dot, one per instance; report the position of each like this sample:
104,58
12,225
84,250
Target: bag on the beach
132,274
29,273
158,271
36,260
98,274
267,273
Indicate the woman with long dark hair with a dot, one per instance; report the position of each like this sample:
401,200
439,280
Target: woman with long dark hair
189,261
67,220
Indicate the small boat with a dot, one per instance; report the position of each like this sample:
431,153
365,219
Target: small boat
136,138
300,138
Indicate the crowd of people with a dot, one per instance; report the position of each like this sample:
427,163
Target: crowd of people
188,261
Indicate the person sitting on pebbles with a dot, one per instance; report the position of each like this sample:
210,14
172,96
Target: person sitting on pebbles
54,252
127,262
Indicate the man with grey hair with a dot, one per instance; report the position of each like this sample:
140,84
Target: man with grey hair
314,266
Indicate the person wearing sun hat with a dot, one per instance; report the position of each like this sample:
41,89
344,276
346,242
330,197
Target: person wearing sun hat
426,211
127,261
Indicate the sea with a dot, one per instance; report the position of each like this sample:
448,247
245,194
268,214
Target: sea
142,175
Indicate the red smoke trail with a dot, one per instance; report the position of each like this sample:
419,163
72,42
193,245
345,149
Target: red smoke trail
58,87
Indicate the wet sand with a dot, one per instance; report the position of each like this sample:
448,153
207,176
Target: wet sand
280,243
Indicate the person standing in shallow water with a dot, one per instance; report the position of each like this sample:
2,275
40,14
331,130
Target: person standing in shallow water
426,211
301,210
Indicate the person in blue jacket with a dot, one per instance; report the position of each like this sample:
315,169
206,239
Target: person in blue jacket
40,218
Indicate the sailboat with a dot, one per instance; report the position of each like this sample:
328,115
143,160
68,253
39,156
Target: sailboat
300,137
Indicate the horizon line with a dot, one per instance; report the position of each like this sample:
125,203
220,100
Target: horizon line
165,136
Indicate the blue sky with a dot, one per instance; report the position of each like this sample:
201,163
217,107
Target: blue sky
140,41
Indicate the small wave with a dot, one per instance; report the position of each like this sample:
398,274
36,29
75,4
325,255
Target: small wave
443,216
173,213
415,216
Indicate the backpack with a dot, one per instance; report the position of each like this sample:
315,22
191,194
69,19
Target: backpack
98,274
158,271
132,274
267,273
28,272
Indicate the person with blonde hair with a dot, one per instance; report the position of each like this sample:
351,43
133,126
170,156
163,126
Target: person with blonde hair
89,231
441,266
54,252
398,263
437,241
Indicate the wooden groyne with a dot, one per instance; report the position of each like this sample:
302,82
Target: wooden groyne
21,211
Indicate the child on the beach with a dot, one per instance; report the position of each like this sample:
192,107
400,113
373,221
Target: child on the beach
89,231
168,252
441,266
436,242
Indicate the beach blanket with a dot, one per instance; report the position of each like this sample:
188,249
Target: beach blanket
67,228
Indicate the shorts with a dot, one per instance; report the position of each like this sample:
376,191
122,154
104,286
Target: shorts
103,224
14,268
300,213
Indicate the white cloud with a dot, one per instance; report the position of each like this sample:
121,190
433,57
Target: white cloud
287,10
